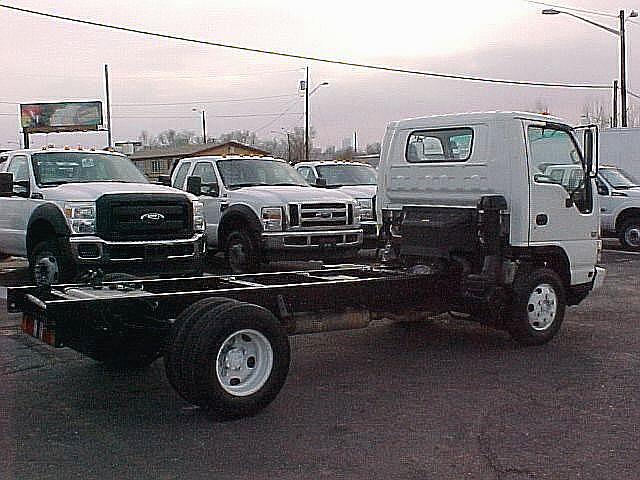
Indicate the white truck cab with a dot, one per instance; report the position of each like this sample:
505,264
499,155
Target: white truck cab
259,209
356,179
441,176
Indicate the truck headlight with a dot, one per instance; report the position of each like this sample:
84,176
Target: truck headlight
81,217
366,208
199,223
272,219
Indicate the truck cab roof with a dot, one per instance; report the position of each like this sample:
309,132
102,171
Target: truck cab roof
434,121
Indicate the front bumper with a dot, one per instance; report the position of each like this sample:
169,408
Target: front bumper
312,240
157,254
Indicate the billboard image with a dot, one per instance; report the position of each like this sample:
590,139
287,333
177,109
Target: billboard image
60,117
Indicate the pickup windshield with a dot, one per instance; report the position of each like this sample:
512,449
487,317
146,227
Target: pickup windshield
618,179
252,172
57,168
339,175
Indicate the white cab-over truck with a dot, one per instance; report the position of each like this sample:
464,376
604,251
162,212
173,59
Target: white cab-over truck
84,209
474,230
260,209
356,179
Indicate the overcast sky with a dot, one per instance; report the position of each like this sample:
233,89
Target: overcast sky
50,60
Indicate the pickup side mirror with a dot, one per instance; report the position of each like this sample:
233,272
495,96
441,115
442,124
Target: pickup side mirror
194,186
6,184
164,180
321,182
22,188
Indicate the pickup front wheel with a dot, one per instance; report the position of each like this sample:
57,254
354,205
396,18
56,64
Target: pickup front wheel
242,252
630,234
55,265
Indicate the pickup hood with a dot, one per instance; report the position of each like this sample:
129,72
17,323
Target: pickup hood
631,193
358,191
276,196
90,192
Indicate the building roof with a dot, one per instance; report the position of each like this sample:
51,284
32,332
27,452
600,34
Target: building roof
190,150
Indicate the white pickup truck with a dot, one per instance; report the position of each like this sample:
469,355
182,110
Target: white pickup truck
83,209
259,209
353,178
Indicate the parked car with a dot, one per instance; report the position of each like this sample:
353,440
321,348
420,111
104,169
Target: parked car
353,178
260,209
75,210
619,196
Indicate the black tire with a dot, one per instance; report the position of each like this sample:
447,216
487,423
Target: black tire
242,252
60,264
629,234
213,337
175,349
539,303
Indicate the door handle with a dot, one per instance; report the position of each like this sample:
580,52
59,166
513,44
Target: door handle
542,219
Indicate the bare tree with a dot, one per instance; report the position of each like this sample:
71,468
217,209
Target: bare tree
595,112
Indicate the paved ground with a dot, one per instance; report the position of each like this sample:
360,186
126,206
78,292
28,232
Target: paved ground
445,399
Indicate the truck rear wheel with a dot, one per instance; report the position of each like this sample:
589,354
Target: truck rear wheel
241,252
630,234
59,267
237,356
538,306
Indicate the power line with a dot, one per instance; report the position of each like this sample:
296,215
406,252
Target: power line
306,57
282,114
242,115
571,9
204,102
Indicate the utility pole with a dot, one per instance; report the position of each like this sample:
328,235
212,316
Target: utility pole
355,142
614,116
306,117
288,147
623,71
106,83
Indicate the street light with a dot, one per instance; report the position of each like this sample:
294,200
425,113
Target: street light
623,56
306,112
204,125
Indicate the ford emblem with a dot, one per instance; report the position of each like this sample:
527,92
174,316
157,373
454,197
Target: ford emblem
152,218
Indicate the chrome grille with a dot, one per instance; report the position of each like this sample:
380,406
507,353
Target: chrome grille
320,215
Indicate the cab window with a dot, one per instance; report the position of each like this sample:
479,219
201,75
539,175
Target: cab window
181,175
307,174
554,158
444,145
207,175
19,166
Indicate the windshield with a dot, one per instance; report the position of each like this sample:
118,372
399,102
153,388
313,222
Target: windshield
618,179
57,168
338,175
251,172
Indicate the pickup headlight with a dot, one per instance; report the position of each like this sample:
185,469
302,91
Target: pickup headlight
366,208
199,223
81,217
272,219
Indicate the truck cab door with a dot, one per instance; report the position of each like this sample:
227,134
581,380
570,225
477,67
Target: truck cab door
210,199
17,209
564,209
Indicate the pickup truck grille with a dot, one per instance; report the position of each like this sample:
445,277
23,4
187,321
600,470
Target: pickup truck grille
129,217
320,215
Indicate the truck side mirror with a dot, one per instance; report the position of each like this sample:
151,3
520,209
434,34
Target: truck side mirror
321,182
22,188
6,184
194,186
164,180
590,151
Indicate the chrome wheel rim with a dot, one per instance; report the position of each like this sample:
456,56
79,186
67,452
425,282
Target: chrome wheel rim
238,256
244,362
542,307
50,264
632,236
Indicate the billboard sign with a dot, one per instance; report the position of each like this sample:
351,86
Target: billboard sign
60,117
